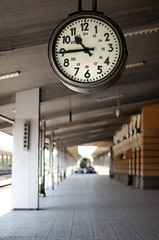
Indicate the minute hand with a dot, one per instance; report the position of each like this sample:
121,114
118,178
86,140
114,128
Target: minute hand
76,50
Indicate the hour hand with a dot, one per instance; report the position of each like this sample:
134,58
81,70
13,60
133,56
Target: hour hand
78,40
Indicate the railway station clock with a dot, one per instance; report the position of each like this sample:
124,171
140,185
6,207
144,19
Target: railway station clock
88,52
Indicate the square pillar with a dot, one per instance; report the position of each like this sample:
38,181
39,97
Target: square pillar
150,148
25,160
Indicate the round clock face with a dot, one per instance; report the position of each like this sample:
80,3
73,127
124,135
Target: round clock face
85,52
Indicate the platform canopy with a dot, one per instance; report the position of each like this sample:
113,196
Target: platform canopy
25,29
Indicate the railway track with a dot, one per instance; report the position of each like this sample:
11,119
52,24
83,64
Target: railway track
5,180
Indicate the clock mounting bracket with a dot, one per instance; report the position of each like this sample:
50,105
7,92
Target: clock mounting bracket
94,5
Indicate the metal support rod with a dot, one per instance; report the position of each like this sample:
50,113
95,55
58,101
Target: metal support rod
70,111
80,5
43,156
118,103
2,159
52,159
65,163
40,161
111,162
94,5
58,167
6,119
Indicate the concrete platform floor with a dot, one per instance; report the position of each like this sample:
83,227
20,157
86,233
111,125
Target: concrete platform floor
87,207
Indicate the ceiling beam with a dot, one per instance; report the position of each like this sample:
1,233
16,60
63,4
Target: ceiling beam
54,91
112,122
85,140
132,108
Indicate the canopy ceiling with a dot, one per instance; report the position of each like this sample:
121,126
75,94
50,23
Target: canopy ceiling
25,29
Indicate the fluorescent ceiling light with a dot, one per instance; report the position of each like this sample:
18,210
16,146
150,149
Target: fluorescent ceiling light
110,98
71,126
140,32
99,123
96,130
93,136
138,64
9,75
103,114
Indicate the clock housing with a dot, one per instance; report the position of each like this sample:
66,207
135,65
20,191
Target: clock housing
88,52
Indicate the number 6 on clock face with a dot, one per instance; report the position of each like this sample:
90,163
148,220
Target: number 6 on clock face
88,52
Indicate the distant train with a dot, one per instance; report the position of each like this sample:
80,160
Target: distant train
5,169
85,166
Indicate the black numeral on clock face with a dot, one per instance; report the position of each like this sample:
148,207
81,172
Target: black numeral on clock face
106,37
110,47
84,26
95,29
77,69
62,51
107,61
99,68
73,31
66,62
66,39
87,74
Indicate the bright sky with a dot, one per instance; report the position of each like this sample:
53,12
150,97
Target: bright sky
86,151
6,142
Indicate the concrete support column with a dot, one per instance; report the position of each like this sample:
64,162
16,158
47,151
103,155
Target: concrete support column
26,150
134,160
111,171
2,159
6,160
150,148
52,160
43,156
62,166
10,163
65,163
58,167
138,167
130,170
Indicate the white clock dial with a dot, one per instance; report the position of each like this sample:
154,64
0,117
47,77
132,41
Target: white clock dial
86,50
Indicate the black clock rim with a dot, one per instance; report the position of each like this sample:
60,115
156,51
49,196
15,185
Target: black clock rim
102,83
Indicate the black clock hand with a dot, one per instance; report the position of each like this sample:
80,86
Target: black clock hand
78,40
63,51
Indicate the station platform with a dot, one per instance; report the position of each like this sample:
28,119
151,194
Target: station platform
87,207
5,180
